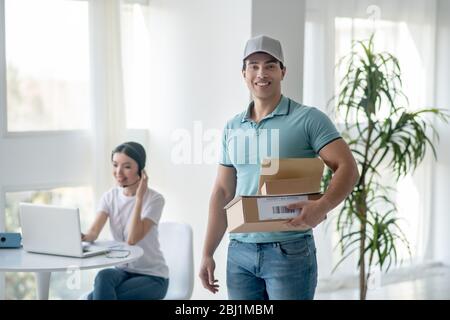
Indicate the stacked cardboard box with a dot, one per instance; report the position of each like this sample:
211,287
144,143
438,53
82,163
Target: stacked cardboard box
281,182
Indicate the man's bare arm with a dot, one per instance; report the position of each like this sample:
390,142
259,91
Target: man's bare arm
223,192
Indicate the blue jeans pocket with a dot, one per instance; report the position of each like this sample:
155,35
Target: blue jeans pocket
298,248
233,243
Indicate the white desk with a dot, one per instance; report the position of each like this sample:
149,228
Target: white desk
18,260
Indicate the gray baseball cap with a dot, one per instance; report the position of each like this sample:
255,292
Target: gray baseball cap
264,44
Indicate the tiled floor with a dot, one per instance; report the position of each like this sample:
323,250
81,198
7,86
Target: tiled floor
432,287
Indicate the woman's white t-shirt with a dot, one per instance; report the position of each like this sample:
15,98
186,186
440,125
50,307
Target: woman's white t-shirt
119,209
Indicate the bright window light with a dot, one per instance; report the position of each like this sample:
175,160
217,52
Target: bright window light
397,39
47,65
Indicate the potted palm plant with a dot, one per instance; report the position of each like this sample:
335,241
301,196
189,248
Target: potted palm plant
383,135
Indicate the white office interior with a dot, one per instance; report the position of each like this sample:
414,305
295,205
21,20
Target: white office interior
167,73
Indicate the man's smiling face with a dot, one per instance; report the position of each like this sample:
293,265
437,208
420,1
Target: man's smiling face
263,75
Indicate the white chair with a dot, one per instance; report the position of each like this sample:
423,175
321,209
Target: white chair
176,242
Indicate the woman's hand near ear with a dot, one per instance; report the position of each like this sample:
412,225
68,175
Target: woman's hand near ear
143,185
139,227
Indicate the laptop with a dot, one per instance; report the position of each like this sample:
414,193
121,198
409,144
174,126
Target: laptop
54,230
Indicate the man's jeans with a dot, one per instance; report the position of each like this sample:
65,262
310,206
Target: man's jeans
116,284
277,270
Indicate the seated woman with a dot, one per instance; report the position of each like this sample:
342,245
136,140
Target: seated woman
134,211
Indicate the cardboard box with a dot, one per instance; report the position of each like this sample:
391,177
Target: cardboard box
295,179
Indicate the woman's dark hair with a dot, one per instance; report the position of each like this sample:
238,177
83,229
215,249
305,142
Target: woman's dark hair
135,151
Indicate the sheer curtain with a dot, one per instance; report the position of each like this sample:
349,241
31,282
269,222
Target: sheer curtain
108,106
407,29
440,239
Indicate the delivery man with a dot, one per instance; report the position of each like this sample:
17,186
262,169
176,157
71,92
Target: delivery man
272,265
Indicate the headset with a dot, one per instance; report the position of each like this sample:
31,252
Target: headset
140,169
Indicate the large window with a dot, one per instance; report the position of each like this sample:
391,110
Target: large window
390,36
47,65
406,30
63,70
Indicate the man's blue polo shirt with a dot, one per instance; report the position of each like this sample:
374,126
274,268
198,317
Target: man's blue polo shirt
292,130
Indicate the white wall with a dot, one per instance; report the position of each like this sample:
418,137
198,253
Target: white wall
285,21
28,160
197,51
